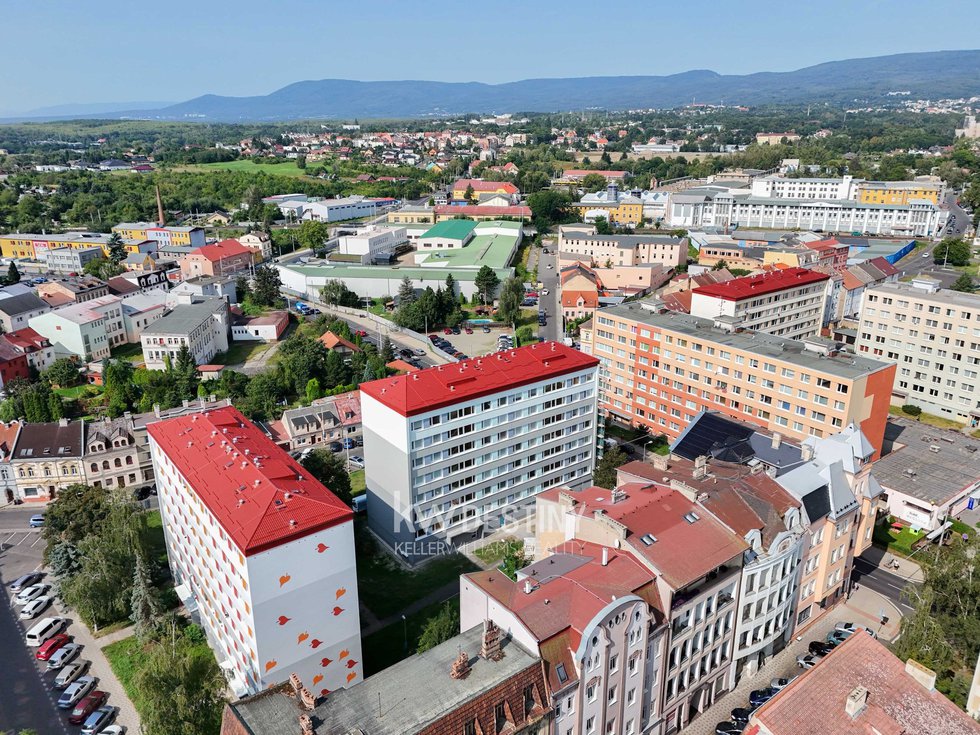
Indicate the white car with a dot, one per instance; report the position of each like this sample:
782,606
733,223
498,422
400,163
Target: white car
545,292
113,730
851,628
35,607
31,593
75,691
70,673
63,655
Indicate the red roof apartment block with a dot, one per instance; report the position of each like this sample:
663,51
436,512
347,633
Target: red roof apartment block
259,494
861,688
223,249
446,385
750,287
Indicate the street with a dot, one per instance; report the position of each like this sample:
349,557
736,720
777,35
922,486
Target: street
29,701
554,329
886,583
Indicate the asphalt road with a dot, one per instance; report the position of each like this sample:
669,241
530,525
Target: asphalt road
883,582
962,221
554,329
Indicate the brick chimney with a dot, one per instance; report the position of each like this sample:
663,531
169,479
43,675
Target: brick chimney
461,666
305,725
490,649
857,700
925,677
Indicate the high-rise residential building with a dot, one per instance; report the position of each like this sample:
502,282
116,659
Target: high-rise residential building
933,334
593,613
788,303
262,554
660,368
453,450
697,562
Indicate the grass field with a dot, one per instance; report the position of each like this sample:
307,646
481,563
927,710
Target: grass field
495,551
240,352
357,483
287,168
131,352
899,542
926,418
387,646
79,391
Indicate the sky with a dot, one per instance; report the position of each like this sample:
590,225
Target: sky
58,52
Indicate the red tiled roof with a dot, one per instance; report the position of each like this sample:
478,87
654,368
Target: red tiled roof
446,385
257,493
471,210
347,407
897,703
27,339
221,250
485,186
572,172
828,244
678,301
752,286
659,511
401,366
331,341
569,299
884,266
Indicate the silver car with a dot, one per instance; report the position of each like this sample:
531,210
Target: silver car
63,655
30,593
71,672
76,691
35,607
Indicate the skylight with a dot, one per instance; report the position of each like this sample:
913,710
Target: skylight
562,674
691,517
648,539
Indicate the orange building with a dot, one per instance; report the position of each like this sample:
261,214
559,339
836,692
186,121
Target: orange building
661,368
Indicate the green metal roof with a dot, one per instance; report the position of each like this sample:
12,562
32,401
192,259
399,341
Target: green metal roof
452,229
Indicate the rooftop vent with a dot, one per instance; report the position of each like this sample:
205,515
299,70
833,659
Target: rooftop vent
857,700
648,539
934,448
691,517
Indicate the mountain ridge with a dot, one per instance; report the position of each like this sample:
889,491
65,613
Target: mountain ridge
934,74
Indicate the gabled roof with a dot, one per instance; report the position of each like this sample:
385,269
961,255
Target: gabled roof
332,341
823,489
21,304
221,250
480,185
38,442
259,495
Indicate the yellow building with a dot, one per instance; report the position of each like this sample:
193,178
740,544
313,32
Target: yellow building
479,187
411,215
900,192
184,236
34,247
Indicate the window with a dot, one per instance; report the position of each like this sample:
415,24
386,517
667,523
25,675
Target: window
612,694
590,724
528,699
499,717
613,661
469,727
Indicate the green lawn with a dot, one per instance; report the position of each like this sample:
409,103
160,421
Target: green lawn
899,542
495,551
239,352
131,352
386,587
357,482
926,418
286,168
387,646
79,391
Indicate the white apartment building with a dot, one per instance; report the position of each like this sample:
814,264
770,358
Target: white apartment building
371,243
933,335
262,554
583,243
78,330
453,450
336,210
788,303
779,187
115,326
201,325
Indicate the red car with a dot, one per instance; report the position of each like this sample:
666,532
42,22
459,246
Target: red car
360,333
469,331
447,330
433,337
86,707
51,645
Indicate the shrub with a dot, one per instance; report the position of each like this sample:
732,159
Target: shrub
911,410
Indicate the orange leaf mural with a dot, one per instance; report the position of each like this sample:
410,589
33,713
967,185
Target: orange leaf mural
317,679
315,643
341,592
270,665
302,637
283,620
283,579
351,676
345,653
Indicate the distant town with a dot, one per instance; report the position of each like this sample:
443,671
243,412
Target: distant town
639,422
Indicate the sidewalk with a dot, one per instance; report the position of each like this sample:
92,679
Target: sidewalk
894,564
870,607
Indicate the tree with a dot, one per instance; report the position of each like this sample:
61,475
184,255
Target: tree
313,234
185,373
439,628
593,182
720,265
486,283
65,560
145,605
102,268
63,373
525,335
514,559
182,693
301,358
328,468
337,373
605,470
549,207
511,296
387,353
336,292
952,251
964,283
602,226
13,275
469,195
243,288
266,286
117,248
406,292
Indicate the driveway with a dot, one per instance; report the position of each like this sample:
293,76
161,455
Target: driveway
554,329
28,701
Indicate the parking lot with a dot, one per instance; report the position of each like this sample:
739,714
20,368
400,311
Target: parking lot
28,700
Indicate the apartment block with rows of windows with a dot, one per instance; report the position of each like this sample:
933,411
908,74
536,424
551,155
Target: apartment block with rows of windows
933,336
455,449
659,369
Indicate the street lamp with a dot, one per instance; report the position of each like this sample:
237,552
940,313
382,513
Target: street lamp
405,631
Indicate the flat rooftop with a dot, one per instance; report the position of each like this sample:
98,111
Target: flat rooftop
938,475
791,351
943,297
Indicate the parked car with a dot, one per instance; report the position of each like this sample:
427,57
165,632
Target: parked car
349,444
852,628
418,352
360,333
808,662
819,648
30,593
447,330
48,648
98,719
76,691
836,637
335,447
781,683
43,630
114,730
741,715
35,607
728,728
26,580
759,697
37,520
405,354
87,706
70,672
64,655
545,292
357,461
486,330
468,330
433,337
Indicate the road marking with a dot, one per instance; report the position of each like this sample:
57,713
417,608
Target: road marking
8,538
36,541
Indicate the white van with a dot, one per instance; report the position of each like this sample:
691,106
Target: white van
44,630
